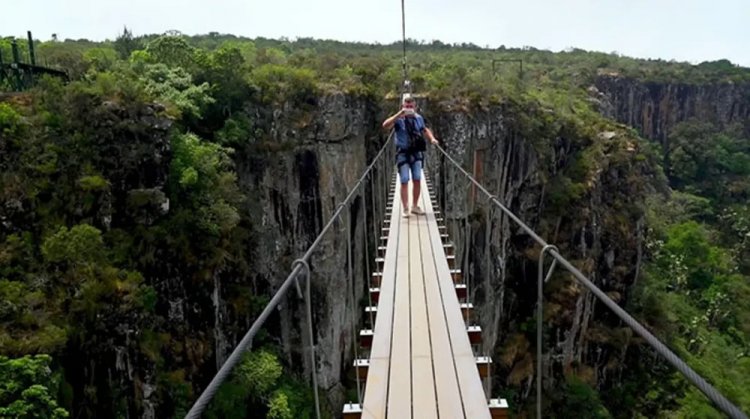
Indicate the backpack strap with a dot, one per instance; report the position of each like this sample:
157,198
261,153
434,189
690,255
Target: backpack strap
417,155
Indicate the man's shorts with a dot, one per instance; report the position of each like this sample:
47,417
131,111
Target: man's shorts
409,163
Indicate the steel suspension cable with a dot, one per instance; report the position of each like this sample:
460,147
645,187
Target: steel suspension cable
350,281
403,42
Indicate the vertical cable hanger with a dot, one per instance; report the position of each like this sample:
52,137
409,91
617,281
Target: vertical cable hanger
407,84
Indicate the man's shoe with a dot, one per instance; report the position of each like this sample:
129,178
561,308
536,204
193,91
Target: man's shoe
416,210
405,213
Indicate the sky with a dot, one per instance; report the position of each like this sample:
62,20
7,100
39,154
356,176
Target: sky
682,30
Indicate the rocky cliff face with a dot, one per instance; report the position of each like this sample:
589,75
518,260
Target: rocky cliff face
655,108
600,231
310,164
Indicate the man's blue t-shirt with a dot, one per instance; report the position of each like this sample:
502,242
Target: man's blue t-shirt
402,137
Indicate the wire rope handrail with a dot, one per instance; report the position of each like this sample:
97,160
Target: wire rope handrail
299,266
710,391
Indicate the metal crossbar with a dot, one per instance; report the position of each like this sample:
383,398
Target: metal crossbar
717,398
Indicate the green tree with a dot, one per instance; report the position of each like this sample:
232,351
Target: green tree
709,161
226,71
174,51
253,380
689,243
27,388
278,407
175,86
100,59
202,182
80,245
68,56
581,401
237,131
29,320
125,44
279,83
10,122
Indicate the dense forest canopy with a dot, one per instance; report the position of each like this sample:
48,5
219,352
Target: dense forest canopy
82,254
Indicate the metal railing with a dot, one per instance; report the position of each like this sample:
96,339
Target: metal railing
378,167
717,398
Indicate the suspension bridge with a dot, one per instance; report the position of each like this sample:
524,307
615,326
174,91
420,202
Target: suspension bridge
421,363
420,350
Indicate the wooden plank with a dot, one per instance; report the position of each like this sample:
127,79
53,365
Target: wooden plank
352,411
376,390
446,382
421,352
499,408
423,378
399,385
470,385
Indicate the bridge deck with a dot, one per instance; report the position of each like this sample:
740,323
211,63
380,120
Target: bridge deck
421,361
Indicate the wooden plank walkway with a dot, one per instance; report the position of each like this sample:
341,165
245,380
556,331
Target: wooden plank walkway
421,361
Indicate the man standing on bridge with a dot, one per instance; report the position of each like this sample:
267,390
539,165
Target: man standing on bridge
410,147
